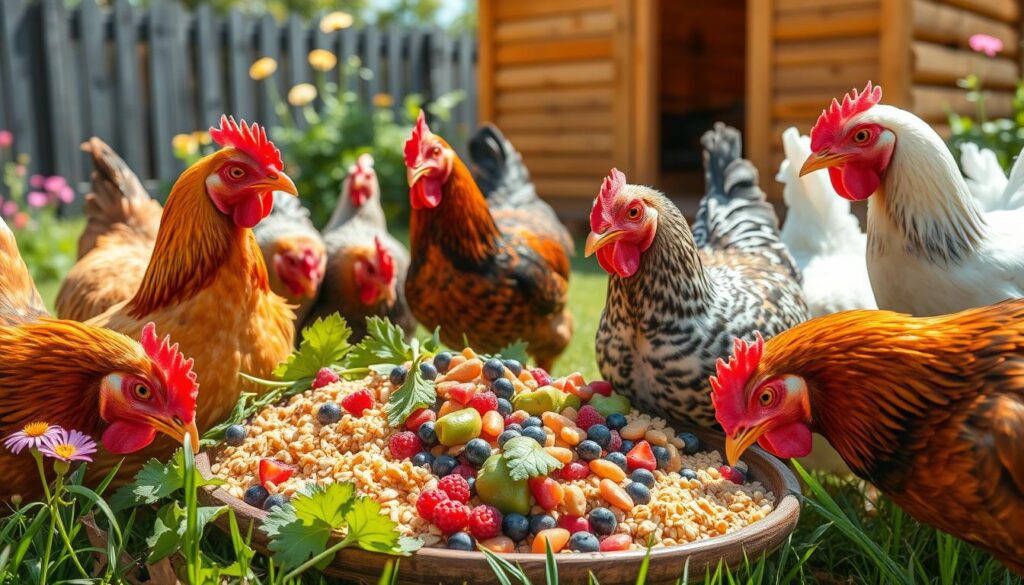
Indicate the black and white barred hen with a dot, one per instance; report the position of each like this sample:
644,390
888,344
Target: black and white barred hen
295,250
677,299
366,266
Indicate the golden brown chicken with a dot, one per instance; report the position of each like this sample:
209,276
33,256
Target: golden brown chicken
930,410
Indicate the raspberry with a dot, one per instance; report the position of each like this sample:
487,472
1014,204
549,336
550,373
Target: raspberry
587,417
615,443
516,418
358,402
455,486
451,516
464,470
732,474
484,402
602,387
575,470
418,417
324,377
404,445
484,522
427,501
541,376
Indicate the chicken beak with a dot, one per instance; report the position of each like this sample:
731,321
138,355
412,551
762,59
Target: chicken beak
417,173
596,241
278,181
178,430
388,294
737,445
823,160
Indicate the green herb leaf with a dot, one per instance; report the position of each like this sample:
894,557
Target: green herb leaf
169,528
384,344
415,393
300,529
514,351
324,343
375,532
155,481
526,458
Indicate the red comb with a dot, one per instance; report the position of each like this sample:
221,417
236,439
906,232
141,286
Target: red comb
832,120
611,186
412,146
731,379
385,260
252,140
181,380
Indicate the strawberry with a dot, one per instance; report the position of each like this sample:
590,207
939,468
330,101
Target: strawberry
548,492
418,417
462,393
575,470
732,474
616,542
358,402
574,524
274,471
642,457
541,376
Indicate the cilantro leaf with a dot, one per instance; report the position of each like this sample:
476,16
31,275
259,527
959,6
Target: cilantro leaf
293,541
375,532
526,458
384,344
324,503
155,481
416,392
169,528
514,351
324,343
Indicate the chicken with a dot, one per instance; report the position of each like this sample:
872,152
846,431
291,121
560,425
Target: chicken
295,251
366,266
930,410
931,248
986,180
824,238
83,378
484,277
677,299
121,230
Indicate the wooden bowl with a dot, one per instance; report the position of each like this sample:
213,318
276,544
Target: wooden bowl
436,565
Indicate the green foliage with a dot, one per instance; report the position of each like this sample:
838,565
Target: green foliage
1004,136
324,343
526,458
415,393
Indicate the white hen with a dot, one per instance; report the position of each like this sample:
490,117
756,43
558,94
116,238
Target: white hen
824,237
987,181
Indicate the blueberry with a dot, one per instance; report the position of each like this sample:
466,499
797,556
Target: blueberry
428,371
504,407
423,459
615,421
443,465
472,486
642,476
513,366
537,434
639,493
505,436
533,421
660,456
584,542
397,376
274,501
514,427
688,473
618,459
443,361
493,369
627,446
477,451
600,435
540,522
503,388
328,413
515,526
461,541
691,444
588,450
234,435
427,434
602,521
255,496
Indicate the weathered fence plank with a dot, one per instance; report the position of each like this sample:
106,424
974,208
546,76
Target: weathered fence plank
297,50
239,47
268,45
209,77
63,112
20,51
131,127
100,90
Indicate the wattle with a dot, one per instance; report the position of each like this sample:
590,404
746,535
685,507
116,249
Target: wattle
251,210
426,194
855,183
620,258
792,440
127,437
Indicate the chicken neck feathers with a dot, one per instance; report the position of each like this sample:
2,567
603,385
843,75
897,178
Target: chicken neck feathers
19,300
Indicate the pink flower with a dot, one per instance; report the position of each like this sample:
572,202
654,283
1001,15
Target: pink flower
6,139
31,436
54,183
20,170
987,44
37,199
69,446
21,220
66,195
37,181
9,209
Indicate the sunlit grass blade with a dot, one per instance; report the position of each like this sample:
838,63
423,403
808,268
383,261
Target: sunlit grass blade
592,579
498,566
641,575
389,576
550,566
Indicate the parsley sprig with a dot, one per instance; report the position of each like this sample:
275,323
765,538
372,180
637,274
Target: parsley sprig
526,458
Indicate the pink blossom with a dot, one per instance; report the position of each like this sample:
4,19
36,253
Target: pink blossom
54,183
66,195
987,44
6,139
37,199
69,446
32,436
21,220
37,181
20,170
9,209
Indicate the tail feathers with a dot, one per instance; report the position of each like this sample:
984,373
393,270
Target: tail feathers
19,299
734,213
117,199
499,170
1013,193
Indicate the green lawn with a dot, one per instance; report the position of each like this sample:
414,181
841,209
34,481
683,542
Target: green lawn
587,287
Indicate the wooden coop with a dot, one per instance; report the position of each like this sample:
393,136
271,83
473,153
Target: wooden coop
580,86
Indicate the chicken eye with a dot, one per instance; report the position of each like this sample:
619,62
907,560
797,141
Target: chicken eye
142,392
862,136
633,213
766,398
436,151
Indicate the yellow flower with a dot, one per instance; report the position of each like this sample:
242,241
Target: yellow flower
185,144
262,68
335,21
201,137
302,94
322,60
383,100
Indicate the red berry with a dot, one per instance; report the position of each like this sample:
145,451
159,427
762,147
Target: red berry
462,393
484,402
464,470
574,524
484,522
732,474
427,501
274,471
588,416
324,377
517,417
357,402
615,443
602,387
418,417
404,445
575,470
541,376
642,457
455,486
616,542
548,492
451,516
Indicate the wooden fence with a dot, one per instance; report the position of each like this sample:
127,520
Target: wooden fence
137,77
